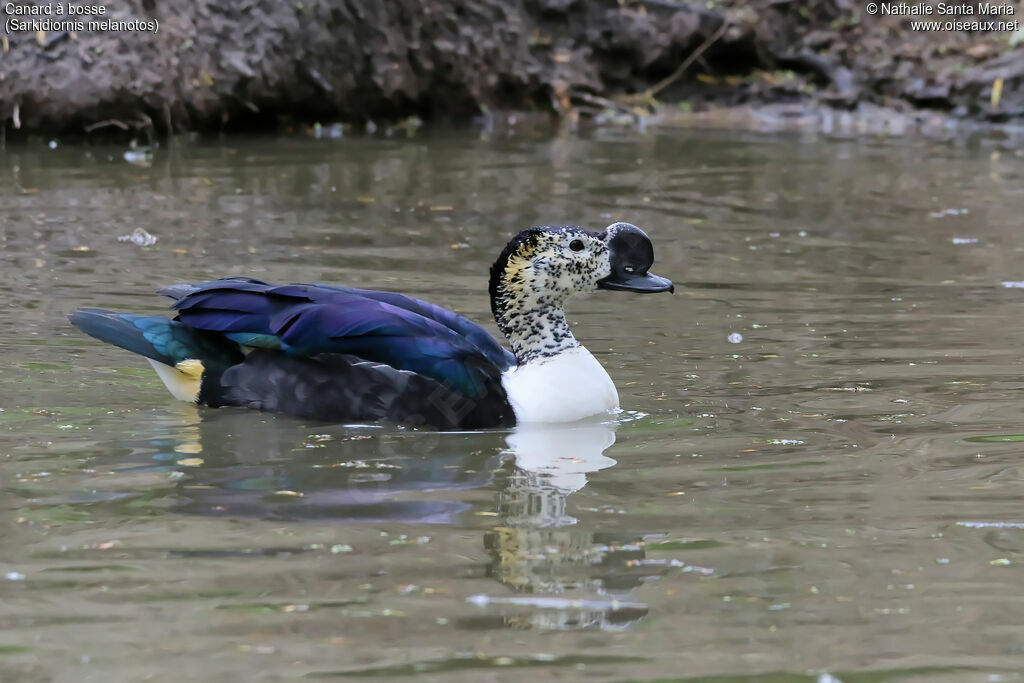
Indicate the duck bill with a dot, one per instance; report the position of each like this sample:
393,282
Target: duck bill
648,283
630,255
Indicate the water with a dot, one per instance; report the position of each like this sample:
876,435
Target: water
817,476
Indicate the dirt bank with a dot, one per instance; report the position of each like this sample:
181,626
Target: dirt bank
261,63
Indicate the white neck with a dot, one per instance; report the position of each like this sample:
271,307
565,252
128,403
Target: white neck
567,386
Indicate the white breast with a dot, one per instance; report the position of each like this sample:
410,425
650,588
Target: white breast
563,388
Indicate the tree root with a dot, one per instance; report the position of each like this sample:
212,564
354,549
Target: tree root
648,97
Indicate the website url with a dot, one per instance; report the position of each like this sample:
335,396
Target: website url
965,25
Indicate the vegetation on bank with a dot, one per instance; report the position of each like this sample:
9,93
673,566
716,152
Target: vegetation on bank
261,64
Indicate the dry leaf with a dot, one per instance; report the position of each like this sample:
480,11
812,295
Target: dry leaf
997,92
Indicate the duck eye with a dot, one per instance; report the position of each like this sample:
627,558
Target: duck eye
576,245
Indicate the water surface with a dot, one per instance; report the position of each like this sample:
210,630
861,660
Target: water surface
817,472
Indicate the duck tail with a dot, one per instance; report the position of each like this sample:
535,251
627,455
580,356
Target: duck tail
149,336
180,354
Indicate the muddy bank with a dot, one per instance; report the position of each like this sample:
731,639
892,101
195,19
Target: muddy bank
264,63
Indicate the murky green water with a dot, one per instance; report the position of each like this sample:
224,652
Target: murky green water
840,491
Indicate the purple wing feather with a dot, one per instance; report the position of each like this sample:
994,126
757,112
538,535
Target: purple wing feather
405,333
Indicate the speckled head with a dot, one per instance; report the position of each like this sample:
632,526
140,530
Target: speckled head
546,265
542,267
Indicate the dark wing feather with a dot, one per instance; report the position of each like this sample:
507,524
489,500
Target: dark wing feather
335,387
305,320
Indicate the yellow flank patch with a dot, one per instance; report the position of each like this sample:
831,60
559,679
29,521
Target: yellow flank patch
183,380
191,367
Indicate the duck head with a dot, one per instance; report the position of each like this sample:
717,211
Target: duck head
540,268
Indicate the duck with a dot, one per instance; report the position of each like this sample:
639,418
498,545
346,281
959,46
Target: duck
342,354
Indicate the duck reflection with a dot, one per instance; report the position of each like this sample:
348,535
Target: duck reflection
551,462
226,463
541,549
